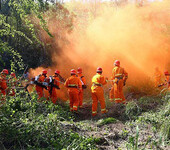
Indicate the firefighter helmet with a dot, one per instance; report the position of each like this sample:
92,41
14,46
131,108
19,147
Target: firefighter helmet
79,70
99,70
12,74
117,63
166,72
44,72
73,71
5,71
57,72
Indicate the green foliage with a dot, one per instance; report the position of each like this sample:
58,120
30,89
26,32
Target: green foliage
133,141
15,58
159,119
28,124
106,121
132,110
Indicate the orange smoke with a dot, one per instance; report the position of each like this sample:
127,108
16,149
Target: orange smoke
137,36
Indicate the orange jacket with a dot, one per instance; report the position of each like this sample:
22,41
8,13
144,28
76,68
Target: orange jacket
97,81
41,79
3,82
119,73
73,84
56,80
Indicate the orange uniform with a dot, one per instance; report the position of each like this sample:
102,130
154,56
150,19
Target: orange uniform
119,75
40,79
54,86
97,93
83,81
74,85
3,87
158,77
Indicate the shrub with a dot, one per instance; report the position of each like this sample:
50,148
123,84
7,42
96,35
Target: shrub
132,110
28,124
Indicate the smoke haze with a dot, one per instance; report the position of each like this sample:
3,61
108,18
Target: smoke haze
137,36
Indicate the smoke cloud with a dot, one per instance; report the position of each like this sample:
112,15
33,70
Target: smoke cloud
137,36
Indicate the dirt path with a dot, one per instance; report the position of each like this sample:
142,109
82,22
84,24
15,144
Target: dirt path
115,135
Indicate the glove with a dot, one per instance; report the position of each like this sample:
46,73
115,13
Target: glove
84,86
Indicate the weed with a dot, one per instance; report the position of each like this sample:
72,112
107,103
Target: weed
132,110
106,121
28,124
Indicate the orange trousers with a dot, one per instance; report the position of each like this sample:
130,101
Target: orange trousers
111,94
39,92
98,96
53,96
80,99
118,92
74,100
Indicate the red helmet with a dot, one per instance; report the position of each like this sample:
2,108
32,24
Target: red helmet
73,71
44,72
79,70
117,63
5,71
57,72
12,74
99,70
166,72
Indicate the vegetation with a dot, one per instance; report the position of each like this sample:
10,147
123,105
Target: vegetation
21,23
106,121
28,124
25,123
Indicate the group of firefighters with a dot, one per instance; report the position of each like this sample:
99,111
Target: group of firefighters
76,84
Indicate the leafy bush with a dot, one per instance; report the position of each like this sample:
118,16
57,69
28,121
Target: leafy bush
159,119
28,124
149,102
132,110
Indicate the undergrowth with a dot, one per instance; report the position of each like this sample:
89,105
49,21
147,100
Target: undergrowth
28,124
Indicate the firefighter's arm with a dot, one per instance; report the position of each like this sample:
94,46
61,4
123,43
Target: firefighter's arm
84,81
79,85
103,80
66,83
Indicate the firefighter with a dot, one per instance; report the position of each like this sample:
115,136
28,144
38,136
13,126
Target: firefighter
157,76
119,76
54,84
83,81
167,79
74,86
3,85
40,84
12,83
97,92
